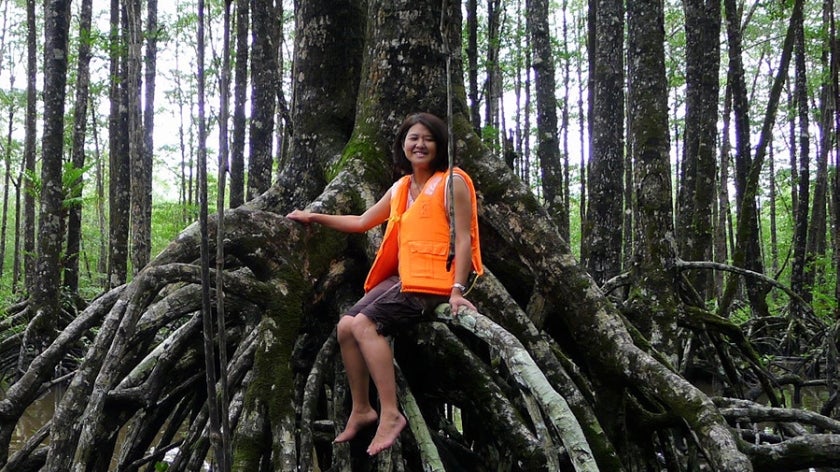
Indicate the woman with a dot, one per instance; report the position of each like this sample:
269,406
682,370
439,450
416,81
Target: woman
410,274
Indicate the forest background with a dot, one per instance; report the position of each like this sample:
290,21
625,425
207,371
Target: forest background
503,106
132,166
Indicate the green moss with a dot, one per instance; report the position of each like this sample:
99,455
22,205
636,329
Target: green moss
273,359
271,392
363,146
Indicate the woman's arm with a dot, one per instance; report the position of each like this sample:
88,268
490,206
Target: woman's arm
373,216
463,244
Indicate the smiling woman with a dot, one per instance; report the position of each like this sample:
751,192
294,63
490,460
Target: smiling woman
410,275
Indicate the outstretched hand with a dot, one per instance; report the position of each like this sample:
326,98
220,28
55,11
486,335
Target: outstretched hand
301,216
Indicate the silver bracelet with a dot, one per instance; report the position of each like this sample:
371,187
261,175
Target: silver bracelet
459,287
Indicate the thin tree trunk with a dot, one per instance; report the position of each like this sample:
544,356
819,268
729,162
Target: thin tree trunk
492,85
724,235
583,124
263,96
602,238
119,181
794,155
150,62
240,89
224,113
816,246
800,234
102,262
472,63
528,111
548,148
185,182
565,230
7,179
74,216
7,156
772,195
698,176
29,149
44,300
20,187
211,375
747,253
140,201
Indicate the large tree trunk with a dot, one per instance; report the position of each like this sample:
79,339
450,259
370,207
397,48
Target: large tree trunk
325,91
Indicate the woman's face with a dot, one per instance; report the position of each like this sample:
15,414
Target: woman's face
419,146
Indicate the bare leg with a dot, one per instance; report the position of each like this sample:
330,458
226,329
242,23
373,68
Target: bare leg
380,364
362,414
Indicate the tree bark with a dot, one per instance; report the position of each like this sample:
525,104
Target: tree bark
472,61
45,297
800,232
601,237
649,143
548,147
74,213
699,170
263,102
237,151
7,180
148,147
321,132
29,149
119,181
140,169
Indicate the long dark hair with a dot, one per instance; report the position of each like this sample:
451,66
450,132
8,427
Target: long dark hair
438,129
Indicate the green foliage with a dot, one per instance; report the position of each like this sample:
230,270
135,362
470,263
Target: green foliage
824,302
72,181
167,221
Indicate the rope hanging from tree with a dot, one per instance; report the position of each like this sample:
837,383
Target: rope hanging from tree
450,141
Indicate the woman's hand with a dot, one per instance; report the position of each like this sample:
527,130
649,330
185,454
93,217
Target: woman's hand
457,303
302,216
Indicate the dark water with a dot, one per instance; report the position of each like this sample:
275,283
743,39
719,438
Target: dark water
37,415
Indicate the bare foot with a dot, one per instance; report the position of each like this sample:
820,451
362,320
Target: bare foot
356,423
388,431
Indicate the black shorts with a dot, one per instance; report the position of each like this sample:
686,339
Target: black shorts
390,308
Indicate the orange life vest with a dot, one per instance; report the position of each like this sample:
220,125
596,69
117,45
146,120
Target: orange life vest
416,241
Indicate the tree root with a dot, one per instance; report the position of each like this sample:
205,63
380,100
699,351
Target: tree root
531,379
